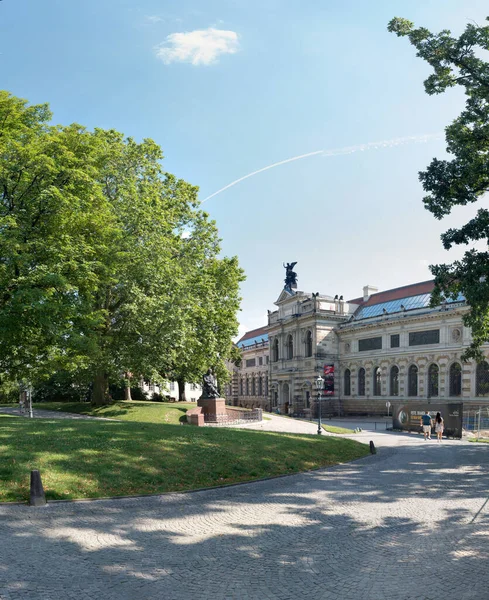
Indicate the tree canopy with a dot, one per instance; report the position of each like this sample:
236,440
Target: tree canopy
464,178
107,264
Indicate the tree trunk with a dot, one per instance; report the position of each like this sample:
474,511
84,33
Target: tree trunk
127,391
100,393
181,391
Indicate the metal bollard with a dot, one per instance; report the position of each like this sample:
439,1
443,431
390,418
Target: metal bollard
373,449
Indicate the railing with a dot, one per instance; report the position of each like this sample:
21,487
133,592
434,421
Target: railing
476,422
234,417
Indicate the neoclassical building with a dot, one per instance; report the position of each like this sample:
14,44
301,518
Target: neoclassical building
382,347
249,382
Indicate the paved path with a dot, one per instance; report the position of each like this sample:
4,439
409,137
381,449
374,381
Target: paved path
411,522
277,423
48,414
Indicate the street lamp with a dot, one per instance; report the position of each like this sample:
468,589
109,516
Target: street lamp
319,387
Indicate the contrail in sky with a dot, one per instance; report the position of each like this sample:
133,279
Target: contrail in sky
412,139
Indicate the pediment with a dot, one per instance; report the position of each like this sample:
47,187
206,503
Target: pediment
284,295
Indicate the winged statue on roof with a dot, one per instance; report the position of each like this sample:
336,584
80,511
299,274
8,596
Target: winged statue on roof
290,276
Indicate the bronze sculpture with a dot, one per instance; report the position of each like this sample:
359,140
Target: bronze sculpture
290,276
209,386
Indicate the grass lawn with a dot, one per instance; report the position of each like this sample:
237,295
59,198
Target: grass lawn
89,459
333,429
480,440
142,412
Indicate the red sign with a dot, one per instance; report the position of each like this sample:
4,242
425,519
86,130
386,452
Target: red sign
329,380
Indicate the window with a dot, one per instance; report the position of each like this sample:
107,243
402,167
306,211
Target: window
241,392
347,383
308,399
395,340
361,382
394,381
268,360
253,386
275,350
260,361
433,372
455,380
289,348
250,362
370,344
377,381
260,386
413,380
423,338
482,379
309,343
193,387
266,387
172,385
247,387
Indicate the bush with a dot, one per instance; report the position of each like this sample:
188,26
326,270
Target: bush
61,387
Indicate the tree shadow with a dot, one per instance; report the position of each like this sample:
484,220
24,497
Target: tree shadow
410,523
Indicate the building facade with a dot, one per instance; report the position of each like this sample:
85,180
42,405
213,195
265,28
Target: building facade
249,385
383,347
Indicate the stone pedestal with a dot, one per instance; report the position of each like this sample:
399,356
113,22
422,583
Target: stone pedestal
214,409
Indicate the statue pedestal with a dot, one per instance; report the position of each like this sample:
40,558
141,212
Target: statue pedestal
214,409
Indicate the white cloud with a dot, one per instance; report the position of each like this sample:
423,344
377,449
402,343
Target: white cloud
154,19
199,47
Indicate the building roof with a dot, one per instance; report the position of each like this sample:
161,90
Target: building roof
406,291
408,297
251,337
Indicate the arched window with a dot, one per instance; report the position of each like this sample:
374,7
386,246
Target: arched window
482,379
253,386
413,380
309,343
247,387
266,387
361,382
289,347
455,380
347,384
241,391
394,381
275,350
260,386
433,372
377,380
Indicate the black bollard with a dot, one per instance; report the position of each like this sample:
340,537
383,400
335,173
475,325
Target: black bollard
373,449
37,498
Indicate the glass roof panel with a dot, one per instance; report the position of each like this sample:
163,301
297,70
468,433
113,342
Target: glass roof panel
394,306
259,338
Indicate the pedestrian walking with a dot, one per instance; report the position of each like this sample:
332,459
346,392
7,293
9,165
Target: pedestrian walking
426,420
439,426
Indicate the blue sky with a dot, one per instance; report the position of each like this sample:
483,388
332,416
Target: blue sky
227,87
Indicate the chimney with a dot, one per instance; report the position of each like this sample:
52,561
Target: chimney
368,290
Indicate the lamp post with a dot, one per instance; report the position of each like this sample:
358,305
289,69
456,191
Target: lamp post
319,388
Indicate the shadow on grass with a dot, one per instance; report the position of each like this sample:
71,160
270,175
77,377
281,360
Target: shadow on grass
362,530
80,459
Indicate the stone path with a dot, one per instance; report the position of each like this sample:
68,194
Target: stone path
411,522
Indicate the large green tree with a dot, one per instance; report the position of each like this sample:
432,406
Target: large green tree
464,178
97,274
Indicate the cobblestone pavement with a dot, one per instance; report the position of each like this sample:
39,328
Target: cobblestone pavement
411,522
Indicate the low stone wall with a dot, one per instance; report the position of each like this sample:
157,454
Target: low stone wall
230,416
195,416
